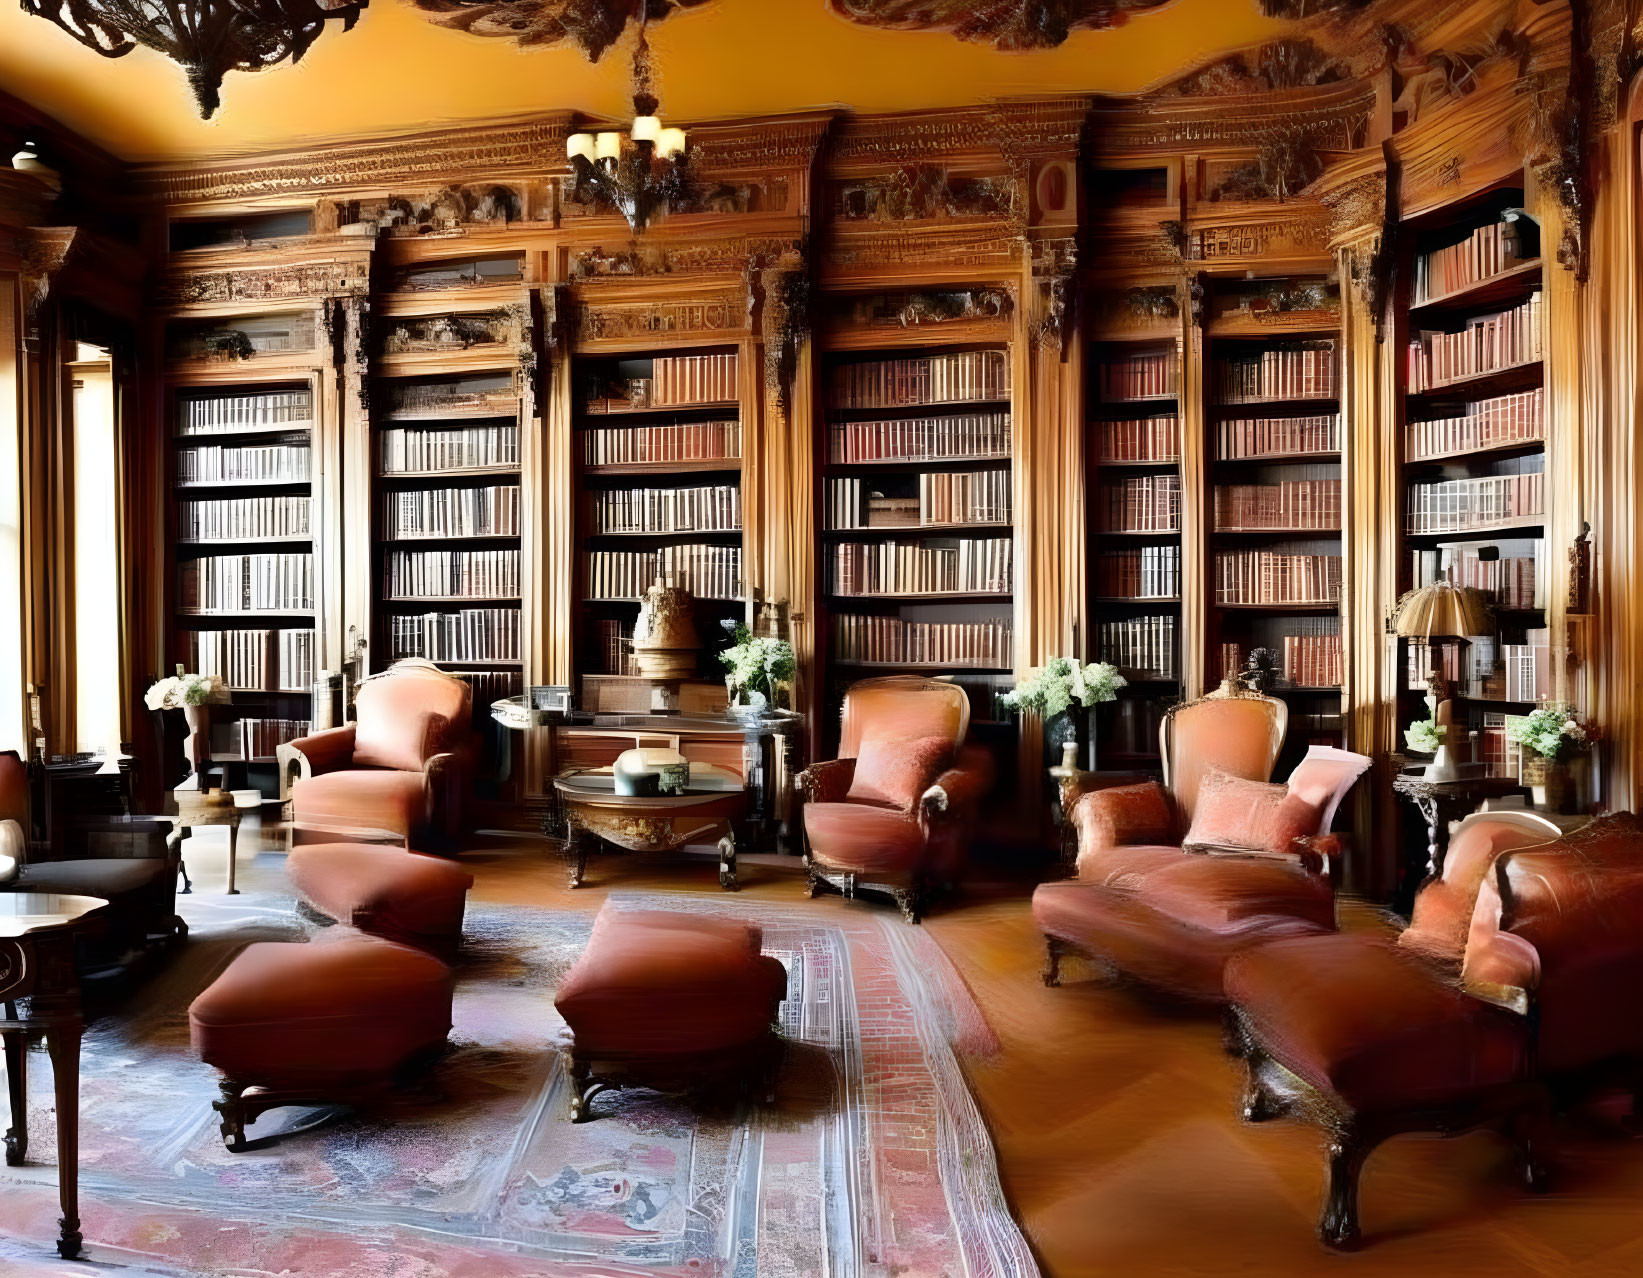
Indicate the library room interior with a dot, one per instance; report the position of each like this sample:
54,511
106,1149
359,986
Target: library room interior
821,638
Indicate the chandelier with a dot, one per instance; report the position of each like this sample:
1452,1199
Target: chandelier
641,174
207,38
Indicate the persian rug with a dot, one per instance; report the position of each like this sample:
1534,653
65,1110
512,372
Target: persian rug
873,1161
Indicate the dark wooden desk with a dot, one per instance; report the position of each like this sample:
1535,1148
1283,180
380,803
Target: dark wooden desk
1440,802
37,932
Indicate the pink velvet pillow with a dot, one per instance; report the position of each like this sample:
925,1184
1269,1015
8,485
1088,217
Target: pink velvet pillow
1251,816
894,771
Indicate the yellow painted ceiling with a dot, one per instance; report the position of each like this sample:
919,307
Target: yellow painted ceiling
397,71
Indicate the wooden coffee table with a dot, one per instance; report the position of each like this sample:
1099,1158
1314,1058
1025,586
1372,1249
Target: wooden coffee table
37,932
713,800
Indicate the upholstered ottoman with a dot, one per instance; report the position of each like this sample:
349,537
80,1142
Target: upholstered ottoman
403,896
329,1020
678,1002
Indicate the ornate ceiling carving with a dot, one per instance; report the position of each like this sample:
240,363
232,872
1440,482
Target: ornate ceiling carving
590,25
1005,24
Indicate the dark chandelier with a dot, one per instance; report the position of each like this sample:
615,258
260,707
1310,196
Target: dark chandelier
207,38
640,174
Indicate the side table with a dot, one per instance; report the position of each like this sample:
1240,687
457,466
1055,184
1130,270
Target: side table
713,800
1442,802
206,808
37,933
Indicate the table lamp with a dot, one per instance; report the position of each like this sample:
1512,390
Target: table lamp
1436,614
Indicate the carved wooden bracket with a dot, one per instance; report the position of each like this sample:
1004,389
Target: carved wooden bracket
781,291
45,251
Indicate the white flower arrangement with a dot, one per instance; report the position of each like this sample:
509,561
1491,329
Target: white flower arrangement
174,692
757,665
1425,736
1551,731
1060,681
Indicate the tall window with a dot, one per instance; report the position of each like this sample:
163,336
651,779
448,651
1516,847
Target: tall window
96,558
13,735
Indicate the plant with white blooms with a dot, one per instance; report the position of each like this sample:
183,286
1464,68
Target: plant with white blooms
1424,736
1552,731
174,692
1060,681
757,665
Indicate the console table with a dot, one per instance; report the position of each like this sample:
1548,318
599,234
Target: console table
764,753
1442,802
37,933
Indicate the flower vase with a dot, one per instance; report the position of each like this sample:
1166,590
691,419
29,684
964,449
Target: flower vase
1074,726
1550,783
198,748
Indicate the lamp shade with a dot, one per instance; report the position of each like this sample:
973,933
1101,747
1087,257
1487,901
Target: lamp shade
1442,610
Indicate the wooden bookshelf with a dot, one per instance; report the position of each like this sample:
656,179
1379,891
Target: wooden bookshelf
1273,496
241,466
1133,451
449,413
915,551
1473,444
657,468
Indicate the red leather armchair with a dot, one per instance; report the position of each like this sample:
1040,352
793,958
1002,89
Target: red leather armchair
1171,916
1520,972
405,764
890,814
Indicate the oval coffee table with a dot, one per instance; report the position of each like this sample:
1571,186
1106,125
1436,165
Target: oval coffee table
712,801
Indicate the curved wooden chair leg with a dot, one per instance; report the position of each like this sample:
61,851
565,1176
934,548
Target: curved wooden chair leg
1054,948
1338,1225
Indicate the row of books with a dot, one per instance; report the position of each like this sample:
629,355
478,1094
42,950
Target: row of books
242,519
962,377
1276,577
401,451
964,565
1486,670
964,497
225,414
614,643
1310,504
489,686
891,641
246,583
705,508
255,739
452,574
283,462
1143,375
488,511
1145,439
1485,253
1243,438
1141,647
648,445
1505,580
473,634
1144,503
708,572
954,438
1487,344
1142,572
1308,658
1291,372
1467,505
254,660
676,381
1488,423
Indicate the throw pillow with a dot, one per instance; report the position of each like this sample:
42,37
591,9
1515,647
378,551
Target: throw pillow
1250,816
11,850
893,772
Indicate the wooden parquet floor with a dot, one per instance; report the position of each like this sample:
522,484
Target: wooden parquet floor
1116,1123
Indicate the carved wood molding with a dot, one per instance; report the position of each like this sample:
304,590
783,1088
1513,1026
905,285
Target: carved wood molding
454,155
720,312
345,277
996,246
44,251
1004,26
1335,116
591,25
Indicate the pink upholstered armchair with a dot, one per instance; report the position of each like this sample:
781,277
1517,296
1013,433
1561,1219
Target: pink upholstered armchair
891,812
403,765
1174,879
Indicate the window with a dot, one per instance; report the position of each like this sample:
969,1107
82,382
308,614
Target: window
96,556
13,735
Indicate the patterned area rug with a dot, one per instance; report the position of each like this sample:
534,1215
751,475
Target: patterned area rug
874,1160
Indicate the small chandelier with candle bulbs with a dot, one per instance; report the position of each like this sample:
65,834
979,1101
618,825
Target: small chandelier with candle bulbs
642,173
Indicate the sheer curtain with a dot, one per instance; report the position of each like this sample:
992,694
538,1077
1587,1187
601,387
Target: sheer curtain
13,735
96,559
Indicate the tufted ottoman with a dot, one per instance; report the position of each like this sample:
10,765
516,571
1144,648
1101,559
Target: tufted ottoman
678,1002
385,891
318,1022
